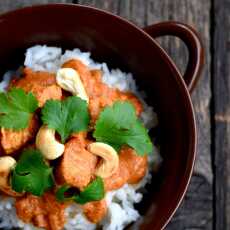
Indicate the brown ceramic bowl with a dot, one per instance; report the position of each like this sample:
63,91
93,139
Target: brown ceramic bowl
123,45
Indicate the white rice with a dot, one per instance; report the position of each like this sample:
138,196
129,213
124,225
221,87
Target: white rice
121,211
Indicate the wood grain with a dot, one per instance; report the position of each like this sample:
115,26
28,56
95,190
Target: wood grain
6,5
221,106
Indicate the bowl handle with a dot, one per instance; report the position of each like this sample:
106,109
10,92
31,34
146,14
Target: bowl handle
192,41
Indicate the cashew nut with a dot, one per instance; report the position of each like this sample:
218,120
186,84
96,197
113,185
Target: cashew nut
69,80
110,161
47,144
7,163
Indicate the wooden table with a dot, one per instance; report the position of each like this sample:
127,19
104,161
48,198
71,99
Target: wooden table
207,202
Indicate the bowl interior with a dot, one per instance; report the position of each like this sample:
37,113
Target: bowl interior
124,46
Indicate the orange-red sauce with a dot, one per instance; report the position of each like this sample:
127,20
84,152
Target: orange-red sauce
77,165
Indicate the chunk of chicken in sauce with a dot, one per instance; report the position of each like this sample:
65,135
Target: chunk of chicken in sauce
132,168
117,179
43,212
100,94
136,165
41,84
12,141
77,165
95,211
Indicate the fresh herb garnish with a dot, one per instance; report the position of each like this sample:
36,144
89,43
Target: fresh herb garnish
66,117
62,193
32,174
118,125
16,108
93,192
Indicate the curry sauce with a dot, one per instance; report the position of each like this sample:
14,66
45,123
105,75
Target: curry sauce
76,167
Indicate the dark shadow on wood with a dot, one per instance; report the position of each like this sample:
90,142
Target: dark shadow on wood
212,109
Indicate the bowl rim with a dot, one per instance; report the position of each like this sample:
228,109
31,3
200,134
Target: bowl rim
176,75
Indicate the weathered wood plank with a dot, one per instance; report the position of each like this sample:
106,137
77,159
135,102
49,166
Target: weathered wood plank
6,5
196,211
221,104
87,2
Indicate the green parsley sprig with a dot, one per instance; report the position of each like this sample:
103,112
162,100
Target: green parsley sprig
118,125
66,117
32,174
16,108
93,192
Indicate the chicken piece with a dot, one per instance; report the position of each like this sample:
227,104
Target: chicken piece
12,141
41,84
30,206
118,179
100,94
77,165
95,210
136,165
132,168
43,212
55,211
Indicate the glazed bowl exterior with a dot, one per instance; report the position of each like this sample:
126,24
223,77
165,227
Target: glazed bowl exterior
122,45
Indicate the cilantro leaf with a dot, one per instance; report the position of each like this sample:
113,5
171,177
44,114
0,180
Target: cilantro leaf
118,125
61,195
93,192
16,108
66,117
31,174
